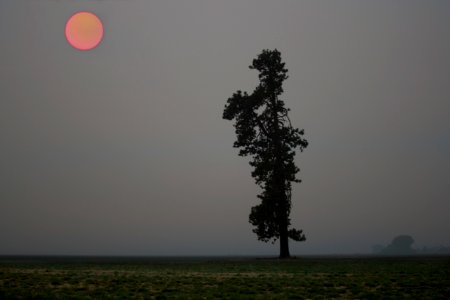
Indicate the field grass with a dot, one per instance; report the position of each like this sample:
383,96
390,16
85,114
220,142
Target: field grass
226,278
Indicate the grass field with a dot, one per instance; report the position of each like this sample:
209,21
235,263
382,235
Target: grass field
229,278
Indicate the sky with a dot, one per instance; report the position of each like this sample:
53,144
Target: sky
122,150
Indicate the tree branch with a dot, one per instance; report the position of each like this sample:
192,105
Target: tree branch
261,127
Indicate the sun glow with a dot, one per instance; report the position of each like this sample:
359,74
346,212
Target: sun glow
84,30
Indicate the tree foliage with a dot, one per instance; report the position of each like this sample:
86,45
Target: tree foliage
400,245
265,133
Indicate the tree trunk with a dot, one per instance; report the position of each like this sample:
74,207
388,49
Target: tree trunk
279,184
284,242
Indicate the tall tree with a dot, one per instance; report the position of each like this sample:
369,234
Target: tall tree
265,133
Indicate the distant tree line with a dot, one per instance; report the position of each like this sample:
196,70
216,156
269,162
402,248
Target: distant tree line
402,245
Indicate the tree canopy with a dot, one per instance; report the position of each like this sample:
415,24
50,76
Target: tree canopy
265,133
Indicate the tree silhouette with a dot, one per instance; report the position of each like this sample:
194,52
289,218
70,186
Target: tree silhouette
400,245
265,133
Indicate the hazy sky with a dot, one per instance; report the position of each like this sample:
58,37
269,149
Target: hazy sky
123,149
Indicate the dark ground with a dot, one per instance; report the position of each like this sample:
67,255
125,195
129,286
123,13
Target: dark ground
224,277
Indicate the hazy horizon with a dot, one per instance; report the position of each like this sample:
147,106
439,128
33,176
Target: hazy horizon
122,150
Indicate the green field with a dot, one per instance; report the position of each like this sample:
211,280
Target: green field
230,278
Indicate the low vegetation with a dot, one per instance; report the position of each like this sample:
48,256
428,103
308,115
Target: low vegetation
229,278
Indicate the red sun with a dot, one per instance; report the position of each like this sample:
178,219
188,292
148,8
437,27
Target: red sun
84,30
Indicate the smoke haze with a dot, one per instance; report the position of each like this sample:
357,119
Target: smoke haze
122,150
